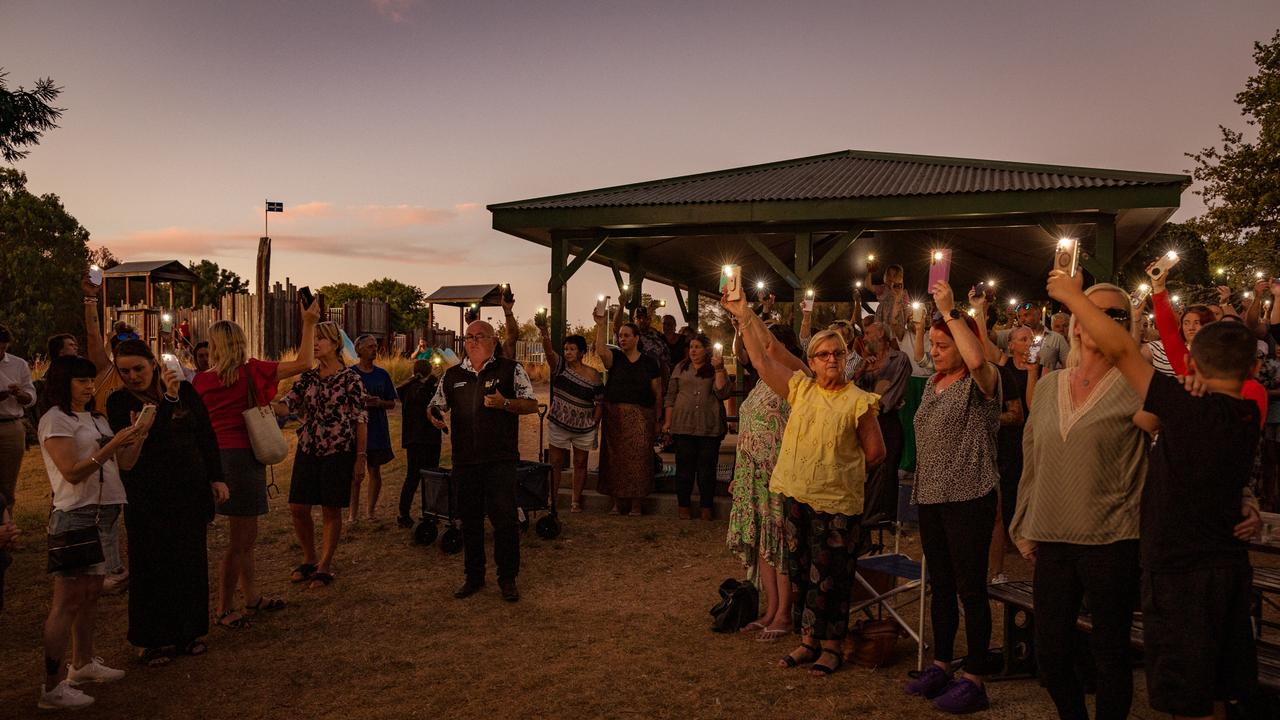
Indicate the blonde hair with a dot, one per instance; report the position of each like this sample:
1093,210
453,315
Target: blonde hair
228,350
1073,357
329,330
821,337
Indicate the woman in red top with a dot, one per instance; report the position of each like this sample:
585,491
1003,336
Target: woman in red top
225,389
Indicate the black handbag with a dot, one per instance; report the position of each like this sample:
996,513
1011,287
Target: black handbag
75,549
739,605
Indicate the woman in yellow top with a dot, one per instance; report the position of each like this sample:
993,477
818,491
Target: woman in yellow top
832,437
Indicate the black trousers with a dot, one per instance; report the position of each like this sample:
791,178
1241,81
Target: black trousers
417,459
489,489
696,457
955,537
880,492
1105,578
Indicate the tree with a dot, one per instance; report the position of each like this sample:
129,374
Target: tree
338,294
25,116
214,283
43,253
408,303
1241,180
1191,278
103,257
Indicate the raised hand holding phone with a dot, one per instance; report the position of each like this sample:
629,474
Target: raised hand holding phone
939,267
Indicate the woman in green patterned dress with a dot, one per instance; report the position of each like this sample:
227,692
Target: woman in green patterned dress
756,520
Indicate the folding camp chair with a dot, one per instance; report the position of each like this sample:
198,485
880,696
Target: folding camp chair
910,579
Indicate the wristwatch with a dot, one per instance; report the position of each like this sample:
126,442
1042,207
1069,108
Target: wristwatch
955,314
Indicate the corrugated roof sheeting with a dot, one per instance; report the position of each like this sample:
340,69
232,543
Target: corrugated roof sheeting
845,175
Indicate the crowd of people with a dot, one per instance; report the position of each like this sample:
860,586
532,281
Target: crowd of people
1122,454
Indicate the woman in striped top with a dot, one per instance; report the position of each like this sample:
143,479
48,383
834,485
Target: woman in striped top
576,394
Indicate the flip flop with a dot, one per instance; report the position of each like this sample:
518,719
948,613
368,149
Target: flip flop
302,573
753,626
319,580
239,623
264,604
768,635
155,657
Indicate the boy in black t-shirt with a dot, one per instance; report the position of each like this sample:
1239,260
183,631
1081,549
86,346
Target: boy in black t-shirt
1195,564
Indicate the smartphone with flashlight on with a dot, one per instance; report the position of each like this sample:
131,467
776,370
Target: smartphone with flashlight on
989,290
939,267
731,282
873,266
170,362
602,305
917,312
507,295
1162,265
1139,296
807,304
1067,256
95,275
1033,352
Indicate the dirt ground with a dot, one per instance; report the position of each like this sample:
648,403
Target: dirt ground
612,623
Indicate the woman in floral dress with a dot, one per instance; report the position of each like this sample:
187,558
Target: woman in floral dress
756,520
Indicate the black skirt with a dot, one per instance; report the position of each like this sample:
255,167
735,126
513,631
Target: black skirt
323,480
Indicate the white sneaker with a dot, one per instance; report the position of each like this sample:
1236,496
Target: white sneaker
93,672
1000,579
63,697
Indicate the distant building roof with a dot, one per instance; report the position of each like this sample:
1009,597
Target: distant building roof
163,270
462,295
849,174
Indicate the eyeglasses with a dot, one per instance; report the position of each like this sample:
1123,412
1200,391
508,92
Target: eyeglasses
826,355
1120,315
476,338
896,286
1024,306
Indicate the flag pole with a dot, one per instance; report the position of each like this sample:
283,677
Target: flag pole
265,233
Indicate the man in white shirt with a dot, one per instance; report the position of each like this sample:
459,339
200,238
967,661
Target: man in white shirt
16,395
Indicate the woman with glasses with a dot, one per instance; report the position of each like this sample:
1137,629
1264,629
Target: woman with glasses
332,452
231,385
632,396
831,439
83,459
955,489
172,489
756,520
695,420
1076,518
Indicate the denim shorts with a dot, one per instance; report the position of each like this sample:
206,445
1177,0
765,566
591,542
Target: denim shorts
108,522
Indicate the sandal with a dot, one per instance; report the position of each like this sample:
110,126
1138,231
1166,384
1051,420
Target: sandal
263,603
154,657
791,660
752,626
319,580
771,635
302,573
194,648
575,507
240,623
826,670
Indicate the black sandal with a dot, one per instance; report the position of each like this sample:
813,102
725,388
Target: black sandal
194,648
263,603
826,670
154,657
323,578
302,573
239,623
791,661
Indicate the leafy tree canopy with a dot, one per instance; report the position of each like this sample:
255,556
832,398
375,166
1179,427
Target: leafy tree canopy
25,116
43,253
408,302
1241,179
214,283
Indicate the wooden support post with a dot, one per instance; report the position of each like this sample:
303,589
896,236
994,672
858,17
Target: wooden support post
691,315
147,290
126,290
835,252
802,264
559,289
263,281
561,276
774,262
1104,249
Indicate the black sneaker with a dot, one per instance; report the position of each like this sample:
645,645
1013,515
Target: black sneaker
510,592
467,589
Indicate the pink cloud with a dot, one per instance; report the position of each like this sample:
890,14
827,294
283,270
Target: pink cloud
405,215
393,10
311,209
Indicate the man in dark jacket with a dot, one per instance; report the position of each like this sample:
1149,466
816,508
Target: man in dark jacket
483,396
419,438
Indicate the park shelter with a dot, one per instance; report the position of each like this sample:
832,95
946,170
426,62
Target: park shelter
809,223
463,297
151,273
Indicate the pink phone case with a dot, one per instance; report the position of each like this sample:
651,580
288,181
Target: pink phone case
939,270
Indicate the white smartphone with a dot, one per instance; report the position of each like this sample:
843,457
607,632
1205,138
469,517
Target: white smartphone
171,362
148,413
917,312
602,305
731,282
1033,353
1067,256
1139,296
807,305
1162,265
95,275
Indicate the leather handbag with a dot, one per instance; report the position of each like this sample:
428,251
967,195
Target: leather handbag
871,643
265,436
75,549
739,605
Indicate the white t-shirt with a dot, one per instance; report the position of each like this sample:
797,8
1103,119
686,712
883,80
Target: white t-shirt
85,430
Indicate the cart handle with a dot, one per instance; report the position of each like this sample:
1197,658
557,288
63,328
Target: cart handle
542,410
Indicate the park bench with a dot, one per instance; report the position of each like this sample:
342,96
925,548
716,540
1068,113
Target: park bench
1019,635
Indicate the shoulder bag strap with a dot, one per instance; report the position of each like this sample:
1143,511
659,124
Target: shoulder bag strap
248,380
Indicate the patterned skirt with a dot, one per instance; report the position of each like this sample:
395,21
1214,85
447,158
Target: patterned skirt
757,520
626,451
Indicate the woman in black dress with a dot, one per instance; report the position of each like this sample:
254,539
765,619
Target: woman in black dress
171,490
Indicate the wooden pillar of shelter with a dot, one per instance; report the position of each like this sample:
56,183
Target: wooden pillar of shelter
1104,248
803,259
126,290
558,288
691,311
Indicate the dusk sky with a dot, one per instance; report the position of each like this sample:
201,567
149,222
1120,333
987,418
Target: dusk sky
386,126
